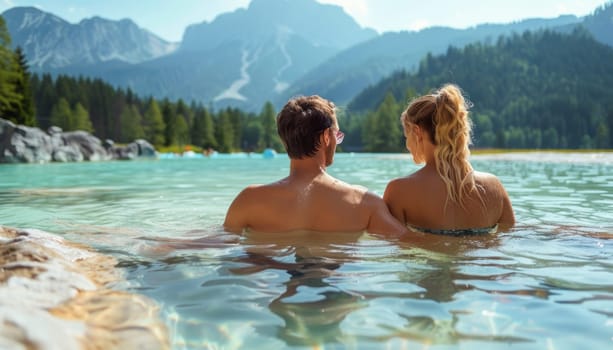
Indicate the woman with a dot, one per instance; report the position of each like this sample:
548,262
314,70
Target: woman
446,196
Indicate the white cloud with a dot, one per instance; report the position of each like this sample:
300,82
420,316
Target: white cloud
8,3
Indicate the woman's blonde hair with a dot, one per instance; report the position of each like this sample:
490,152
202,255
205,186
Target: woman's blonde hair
444,116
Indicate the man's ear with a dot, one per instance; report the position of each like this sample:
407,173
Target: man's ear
326,137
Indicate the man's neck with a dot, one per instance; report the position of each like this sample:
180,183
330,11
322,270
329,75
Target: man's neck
307,167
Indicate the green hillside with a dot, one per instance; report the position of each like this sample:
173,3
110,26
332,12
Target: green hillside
535,90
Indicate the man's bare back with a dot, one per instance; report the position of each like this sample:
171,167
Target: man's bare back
321,203
309,198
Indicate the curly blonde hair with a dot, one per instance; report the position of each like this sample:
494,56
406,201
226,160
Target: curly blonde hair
444,116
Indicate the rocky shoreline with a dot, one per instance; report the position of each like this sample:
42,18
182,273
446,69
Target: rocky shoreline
55,295
23,144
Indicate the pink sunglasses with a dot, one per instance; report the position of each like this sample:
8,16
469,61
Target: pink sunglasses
340,136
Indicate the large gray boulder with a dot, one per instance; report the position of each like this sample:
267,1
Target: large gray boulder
89,145
145,149
138,148
22,144
67,153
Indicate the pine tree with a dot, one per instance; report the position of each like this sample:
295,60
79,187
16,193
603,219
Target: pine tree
61,115
154,126
25,90
270,137
197,130
252,134
383,129
20,107
208,127
185,111
170,120
224,132
369,138
182,131
9,98
236,118
81,119
45,97
131,128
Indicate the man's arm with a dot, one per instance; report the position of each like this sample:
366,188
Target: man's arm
381,221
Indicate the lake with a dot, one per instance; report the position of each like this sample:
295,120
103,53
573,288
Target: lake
547,284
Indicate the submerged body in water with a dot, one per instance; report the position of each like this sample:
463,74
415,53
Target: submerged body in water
456,232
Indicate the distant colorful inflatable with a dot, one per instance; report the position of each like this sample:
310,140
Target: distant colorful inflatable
269,153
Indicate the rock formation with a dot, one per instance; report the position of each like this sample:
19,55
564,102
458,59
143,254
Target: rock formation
22,144
55,295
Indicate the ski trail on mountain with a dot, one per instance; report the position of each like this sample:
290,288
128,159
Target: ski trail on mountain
233,92
283,34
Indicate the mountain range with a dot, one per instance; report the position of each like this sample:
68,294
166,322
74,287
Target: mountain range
270,51
50,42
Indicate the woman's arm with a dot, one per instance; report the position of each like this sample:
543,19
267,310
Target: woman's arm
390,197
507,217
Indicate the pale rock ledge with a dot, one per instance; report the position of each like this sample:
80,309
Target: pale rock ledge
55,295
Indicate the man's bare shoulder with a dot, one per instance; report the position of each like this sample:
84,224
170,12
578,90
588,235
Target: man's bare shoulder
348,189
251,190
362,195
248,205
256,191
372,199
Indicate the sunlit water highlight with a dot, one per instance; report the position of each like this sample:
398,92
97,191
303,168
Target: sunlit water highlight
548,284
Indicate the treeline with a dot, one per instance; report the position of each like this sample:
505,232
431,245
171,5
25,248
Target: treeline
534,90
120,115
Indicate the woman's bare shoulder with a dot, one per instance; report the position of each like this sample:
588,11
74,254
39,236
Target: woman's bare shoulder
406,183
486,178
490,182
400,190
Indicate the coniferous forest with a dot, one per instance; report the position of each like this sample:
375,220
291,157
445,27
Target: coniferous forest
532,90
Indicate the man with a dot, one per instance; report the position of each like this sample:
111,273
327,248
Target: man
309,198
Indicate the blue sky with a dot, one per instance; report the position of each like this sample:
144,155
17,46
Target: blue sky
169,18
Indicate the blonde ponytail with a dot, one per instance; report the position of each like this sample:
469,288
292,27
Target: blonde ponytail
444,116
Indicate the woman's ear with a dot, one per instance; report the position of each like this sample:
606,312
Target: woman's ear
416,131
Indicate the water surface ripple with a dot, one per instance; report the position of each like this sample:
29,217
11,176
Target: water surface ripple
548,284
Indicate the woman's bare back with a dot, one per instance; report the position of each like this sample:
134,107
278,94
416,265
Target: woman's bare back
421,200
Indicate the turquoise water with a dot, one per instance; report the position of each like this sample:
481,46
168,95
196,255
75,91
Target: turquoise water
548,284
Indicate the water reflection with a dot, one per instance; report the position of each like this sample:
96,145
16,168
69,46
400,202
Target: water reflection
444,255
318,299
547,283
311,307
315,289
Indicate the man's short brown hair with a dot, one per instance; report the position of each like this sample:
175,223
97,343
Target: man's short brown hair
301,122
